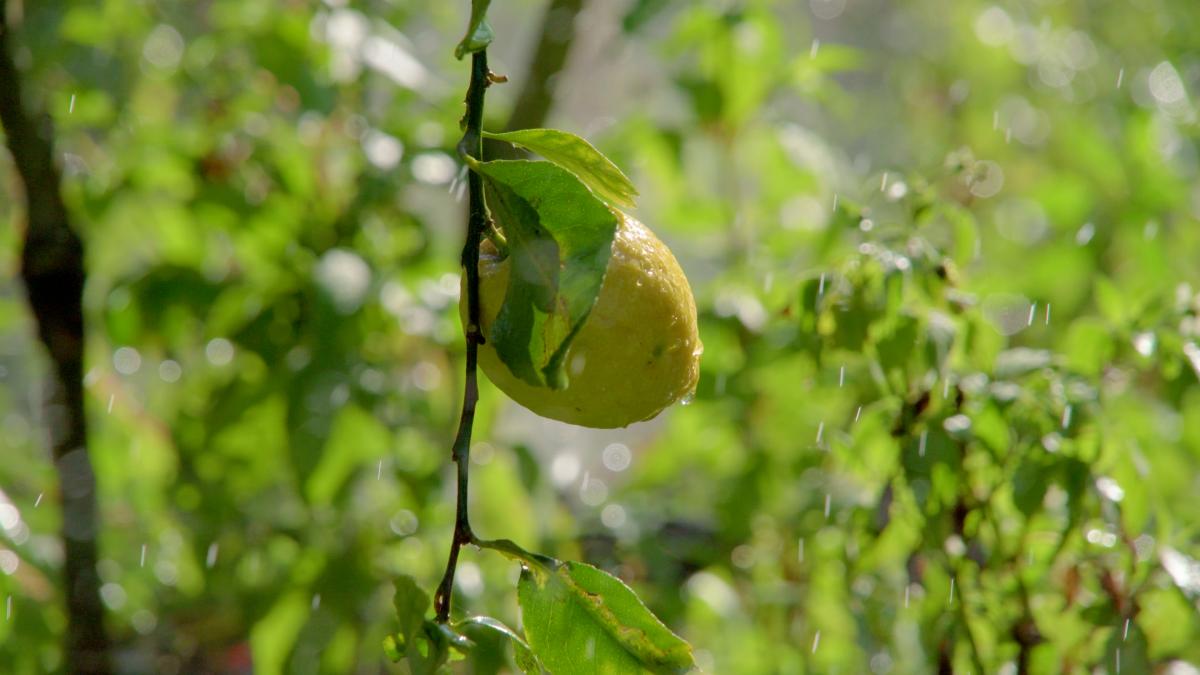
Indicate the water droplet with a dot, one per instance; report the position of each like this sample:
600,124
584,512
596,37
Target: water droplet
379,470
38,501
617,457
688,398
1125,636
1047,314
816,46
835,201
821,286
816,641
211,558
800,555
921,443
1066,417
1084,234
8,608
951,600
828,502
1032,309
71,106
842,376
907,590
858,413
820,432
142,558
1120,77
613,516
316,601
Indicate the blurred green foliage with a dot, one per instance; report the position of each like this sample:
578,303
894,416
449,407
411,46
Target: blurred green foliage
945,259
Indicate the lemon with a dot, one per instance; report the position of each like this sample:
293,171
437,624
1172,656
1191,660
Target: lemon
638,351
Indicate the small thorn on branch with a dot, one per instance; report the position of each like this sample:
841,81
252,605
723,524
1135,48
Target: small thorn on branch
496,78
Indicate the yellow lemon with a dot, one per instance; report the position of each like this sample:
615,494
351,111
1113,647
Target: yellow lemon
638,351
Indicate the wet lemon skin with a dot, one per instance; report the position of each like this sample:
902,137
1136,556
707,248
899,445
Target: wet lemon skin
638,351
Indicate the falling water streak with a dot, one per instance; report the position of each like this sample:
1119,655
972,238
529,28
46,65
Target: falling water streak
316,601
110,402
1047,314
816,45
827,502
1066,418
8,608
820,432
1118,660
211,560
800,555
921,446
835,200
995,120
38,500
842,377
883,182
907,588
458,179
71,106
821,286
379,470
1120,77
142,559
946,388
816,641
1008,135
1032,309
951,600
1126,635
858,413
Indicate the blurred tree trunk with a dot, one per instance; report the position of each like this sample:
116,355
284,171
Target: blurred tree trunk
52,269
537,86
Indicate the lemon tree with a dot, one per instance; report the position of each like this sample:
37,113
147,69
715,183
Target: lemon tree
580,313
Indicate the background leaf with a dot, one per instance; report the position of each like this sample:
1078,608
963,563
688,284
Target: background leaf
582,620
560,240
580,158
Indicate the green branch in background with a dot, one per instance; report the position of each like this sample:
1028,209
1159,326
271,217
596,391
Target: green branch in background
52,268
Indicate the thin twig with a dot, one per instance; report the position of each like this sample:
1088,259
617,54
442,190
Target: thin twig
470,146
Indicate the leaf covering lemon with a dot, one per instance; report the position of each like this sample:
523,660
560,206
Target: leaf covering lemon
638,351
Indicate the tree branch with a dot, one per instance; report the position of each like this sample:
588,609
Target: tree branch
469,146
53,273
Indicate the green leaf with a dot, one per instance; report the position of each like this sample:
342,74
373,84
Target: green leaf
411,604
581,620
560,240
479,33
579,157
522,654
